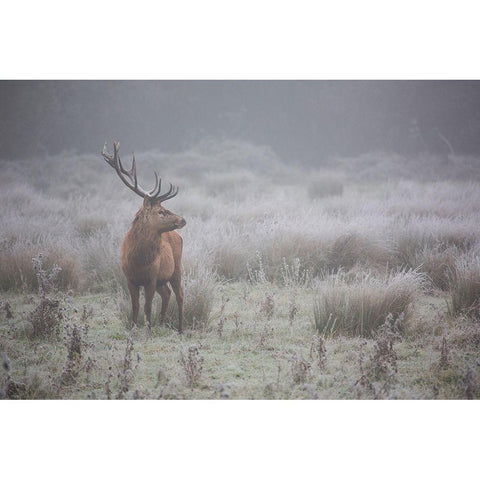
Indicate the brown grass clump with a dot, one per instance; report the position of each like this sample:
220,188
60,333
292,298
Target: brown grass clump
464,284
16,272
436,263
350,249
359,308
200,285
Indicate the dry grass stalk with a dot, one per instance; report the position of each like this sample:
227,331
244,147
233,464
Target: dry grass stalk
46,317
76,337
318,351
128,369
267,307
192,363
220,325
265,334
444,361
8,309
292,310
384,359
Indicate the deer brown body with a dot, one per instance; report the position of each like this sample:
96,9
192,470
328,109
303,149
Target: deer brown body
151,251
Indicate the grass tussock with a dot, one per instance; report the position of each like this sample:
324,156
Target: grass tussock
16,272
200,285
464,283
350,249
358,308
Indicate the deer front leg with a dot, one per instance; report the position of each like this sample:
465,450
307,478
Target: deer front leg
134,295
149,293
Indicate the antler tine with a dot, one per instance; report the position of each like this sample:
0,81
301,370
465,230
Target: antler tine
156,189
115,162
172,192
134,169
129,177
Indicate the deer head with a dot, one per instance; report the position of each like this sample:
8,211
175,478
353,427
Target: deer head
152,213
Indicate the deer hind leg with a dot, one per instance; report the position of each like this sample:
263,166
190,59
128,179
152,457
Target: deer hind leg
165,292
149,293
176,283
134,295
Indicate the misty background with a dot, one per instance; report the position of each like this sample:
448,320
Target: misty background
305,122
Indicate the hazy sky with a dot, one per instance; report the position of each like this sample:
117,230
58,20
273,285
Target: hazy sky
302,121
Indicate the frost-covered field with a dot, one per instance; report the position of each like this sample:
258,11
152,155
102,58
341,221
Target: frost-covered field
357,280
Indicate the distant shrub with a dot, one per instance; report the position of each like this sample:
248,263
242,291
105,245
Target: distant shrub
87,226
230,263
325,184
231,185
101,263
464,285
413,240
360,307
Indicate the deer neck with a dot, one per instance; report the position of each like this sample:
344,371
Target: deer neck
146,245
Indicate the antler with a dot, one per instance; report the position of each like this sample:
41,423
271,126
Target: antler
129,177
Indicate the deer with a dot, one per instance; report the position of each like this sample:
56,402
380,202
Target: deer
151,251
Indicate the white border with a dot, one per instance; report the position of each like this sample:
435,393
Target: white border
239,439
218,39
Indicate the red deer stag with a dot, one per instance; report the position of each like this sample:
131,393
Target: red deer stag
151,250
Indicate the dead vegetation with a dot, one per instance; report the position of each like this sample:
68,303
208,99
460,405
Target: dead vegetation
192,363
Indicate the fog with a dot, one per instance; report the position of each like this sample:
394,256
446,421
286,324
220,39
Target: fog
306,122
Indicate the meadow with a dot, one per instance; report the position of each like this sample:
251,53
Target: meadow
359,279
